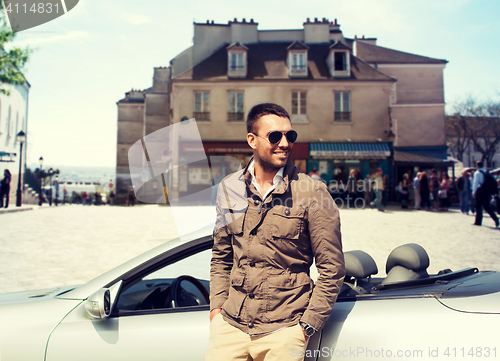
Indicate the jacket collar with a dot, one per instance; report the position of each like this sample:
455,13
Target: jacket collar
288,172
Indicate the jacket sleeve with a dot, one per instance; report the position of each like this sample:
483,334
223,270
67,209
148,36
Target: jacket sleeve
326,244
222,259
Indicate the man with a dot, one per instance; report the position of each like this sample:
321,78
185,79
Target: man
262,301
481,197
434,188
463,187
378,188
416,189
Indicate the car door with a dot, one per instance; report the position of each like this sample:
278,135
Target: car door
136,331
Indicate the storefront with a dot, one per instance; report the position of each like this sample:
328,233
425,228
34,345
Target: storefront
335,161
219,152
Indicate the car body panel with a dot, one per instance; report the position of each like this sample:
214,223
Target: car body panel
25,327
408,325
151,336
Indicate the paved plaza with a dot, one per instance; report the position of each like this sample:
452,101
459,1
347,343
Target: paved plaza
68,245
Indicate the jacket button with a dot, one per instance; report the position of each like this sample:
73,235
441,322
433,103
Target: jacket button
253,232
251,295
252,264
287,212
256,202
250,325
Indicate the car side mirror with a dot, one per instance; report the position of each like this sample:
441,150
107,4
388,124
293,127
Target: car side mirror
98,306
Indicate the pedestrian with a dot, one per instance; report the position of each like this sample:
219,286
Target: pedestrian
403,190
84,198
367,189
416,190
444,192
472,201
378,188
97,198
385,192
482,196
352,191
91,199
434,189
111,197
425,193
463,187
262,300
315,174
65,196
5,188
130,196
411,192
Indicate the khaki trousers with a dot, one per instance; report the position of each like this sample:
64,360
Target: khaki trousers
229,343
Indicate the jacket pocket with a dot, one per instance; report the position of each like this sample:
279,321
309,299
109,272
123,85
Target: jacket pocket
287,222
236,296
235,221
288,295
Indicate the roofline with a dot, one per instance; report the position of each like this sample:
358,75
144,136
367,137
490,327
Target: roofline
371,66
410,65
333,80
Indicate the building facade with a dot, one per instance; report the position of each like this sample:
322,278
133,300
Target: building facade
353,103
13,119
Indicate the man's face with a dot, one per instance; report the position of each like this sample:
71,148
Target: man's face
270,156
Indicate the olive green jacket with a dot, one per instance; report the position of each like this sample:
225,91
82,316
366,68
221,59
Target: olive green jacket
263,251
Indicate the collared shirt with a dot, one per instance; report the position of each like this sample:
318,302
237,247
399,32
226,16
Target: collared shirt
415,183
278,178
478,180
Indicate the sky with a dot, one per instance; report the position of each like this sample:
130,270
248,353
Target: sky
86,60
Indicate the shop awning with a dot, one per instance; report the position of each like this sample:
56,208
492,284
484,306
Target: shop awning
350,150
410,159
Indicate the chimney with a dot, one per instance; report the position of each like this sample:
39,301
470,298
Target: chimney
317,32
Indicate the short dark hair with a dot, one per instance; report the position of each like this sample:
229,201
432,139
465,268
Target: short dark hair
479,164
260,110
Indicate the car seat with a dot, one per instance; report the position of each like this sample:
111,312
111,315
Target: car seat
406,262
359,266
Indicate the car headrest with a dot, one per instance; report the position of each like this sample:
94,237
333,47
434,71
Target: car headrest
411,256
359,264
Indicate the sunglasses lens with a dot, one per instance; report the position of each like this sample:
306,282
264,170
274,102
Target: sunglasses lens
275,137
291,136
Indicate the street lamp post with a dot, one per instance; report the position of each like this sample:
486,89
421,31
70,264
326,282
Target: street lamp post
21,138
40,173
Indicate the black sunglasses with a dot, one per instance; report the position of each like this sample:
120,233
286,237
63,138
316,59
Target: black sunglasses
275,137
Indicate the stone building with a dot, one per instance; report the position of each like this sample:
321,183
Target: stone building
354,104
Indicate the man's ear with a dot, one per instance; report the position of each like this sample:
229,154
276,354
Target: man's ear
251,140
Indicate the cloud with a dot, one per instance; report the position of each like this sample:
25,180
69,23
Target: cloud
136,19
72,35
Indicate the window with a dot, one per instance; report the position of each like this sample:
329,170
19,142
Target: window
299,103
235,106
237,62
298,63
202,106
340,61
342,107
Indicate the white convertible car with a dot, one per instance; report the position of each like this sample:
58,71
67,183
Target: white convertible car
155,307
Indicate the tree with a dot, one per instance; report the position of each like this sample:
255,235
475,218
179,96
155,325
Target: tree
474,123
12,61
459,129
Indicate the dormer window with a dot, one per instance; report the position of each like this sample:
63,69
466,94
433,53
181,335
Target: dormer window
297,59
339,60
237,61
